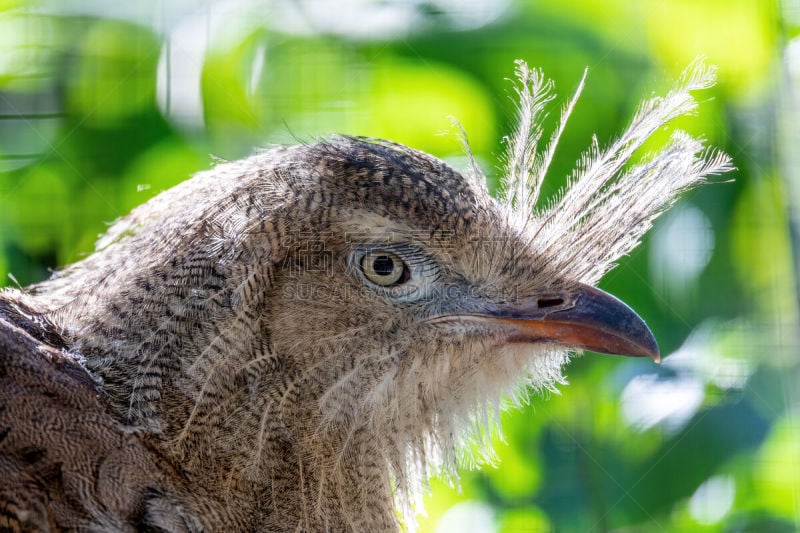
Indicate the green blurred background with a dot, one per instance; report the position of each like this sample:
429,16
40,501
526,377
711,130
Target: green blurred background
104,104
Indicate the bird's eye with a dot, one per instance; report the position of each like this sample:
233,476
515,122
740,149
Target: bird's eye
384,269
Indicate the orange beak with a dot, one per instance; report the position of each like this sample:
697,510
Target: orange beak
584,317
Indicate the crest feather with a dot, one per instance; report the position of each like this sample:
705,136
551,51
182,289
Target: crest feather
608,203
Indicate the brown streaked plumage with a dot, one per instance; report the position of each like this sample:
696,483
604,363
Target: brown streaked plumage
297,340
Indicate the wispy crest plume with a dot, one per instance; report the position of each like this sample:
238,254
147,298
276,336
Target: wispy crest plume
608,204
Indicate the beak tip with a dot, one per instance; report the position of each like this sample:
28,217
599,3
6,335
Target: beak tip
628,333
650,345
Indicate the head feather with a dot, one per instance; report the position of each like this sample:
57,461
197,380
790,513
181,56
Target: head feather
608,204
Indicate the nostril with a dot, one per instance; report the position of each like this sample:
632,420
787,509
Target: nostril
549,302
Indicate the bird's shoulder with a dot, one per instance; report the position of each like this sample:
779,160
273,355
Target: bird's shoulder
65,461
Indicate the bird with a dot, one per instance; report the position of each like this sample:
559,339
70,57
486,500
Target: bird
298,340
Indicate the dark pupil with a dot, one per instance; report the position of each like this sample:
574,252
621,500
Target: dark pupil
383,265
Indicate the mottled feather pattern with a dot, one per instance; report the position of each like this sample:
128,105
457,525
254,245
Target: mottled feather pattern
263,386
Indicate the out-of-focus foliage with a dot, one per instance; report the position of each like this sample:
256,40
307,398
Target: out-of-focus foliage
104,104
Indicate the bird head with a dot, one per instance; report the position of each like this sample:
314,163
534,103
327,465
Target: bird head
417,298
